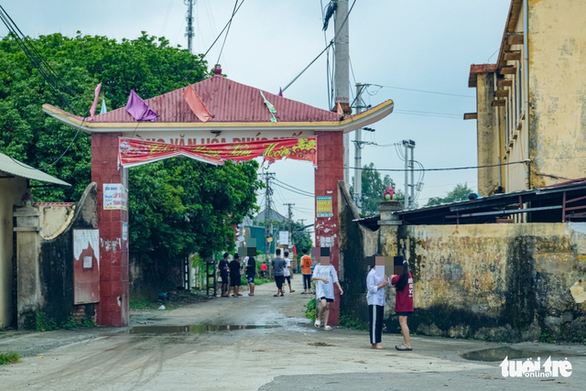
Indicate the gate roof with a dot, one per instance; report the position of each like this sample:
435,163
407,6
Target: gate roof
232,105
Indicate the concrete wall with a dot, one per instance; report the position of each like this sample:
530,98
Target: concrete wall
496,281
11,192
557,46
45,266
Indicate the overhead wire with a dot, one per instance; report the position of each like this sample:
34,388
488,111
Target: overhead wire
322,52
440,169
228,31
234,12
293,187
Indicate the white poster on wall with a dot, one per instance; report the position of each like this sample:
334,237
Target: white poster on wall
284,238
115,196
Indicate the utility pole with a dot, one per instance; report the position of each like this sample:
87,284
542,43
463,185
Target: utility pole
342,73
290,217
189,29
268,230
360,106
409,167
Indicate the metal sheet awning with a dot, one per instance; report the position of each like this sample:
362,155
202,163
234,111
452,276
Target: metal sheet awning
13,167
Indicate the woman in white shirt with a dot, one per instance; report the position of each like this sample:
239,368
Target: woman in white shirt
325,276
376,298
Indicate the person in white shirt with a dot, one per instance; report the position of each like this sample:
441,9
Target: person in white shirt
325,276
376,281
287,272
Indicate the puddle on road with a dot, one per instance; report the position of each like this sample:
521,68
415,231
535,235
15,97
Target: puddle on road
200,328
499,354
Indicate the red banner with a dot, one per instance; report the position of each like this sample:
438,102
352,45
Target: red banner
133,152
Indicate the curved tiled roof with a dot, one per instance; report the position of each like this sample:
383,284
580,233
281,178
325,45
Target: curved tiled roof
227,101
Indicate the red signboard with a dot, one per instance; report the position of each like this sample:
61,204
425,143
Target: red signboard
133,152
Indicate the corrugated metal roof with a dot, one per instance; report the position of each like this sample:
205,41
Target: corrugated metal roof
14,167
227,101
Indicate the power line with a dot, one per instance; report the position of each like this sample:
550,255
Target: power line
322,52
293,187
225,27
228,31
293,191
422,91
440,169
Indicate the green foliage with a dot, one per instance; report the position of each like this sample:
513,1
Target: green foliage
310,309
352,323
177,206
9,358
546,338
143,305
260,281
71,323
373,187
459,193
187,207
44,323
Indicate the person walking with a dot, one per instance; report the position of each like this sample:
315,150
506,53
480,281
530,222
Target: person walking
279,266
250,274
376,281
235,275
287,271
404,303
224,275
325,276
263,270
306,262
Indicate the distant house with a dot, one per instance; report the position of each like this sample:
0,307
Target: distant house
531,104
272,215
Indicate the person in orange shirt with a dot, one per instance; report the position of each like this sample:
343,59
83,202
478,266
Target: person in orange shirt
306,262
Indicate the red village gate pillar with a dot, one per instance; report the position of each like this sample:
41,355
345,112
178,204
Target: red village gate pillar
113,226
330,170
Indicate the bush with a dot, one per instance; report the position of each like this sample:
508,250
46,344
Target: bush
9,358
310,309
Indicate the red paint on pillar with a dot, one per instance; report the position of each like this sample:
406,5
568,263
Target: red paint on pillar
330,170
113,307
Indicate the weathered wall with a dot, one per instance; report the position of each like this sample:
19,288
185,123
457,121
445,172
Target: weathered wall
149,278
356,243
46,283
496,281
557,100
11,192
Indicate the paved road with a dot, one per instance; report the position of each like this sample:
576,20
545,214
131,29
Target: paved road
251,343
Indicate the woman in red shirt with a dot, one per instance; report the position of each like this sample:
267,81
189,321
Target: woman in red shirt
404,303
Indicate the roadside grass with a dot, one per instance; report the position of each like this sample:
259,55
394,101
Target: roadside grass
9,358
351,323
44,323
310,309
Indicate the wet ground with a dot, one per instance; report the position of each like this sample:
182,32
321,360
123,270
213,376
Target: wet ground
263,342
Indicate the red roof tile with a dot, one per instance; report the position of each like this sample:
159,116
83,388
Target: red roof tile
227,101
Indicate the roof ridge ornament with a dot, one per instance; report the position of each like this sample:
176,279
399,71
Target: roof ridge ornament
271,108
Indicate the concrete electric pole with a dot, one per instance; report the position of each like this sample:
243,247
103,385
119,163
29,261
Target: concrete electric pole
290,217
268,206
342,73
360,106
409,169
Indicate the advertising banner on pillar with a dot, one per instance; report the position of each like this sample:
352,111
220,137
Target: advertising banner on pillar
115,196
323,206
133,152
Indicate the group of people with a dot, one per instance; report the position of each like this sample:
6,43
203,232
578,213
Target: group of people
376,282
231,274
325,277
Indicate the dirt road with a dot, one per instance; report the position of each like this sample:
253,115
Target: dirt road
260,342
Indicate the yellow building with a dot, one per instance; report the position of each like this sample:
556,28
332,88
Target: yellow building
531,104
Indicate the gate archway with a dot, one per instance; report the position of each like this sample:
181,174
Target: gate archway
219,111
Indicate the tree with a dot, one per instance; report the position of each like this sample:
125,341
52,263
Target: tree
459,193
373,187
177,206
